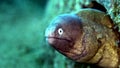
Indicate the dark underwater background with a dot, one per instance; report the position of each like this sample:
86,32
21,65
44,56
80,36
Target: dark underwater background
22,42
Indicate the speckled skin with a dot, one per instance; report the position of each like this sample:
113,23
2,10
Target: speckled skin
107,55
88,37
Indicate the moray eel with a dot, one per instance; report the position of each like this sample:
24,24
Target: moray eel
85,36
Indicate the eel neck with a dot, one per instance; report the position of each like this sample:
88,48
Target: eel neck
107,56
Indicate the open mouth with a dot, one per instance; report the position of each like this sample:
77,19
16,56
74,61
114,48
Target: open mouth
55,38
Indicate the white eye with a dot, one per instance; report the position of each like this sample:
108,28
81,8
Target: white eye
60,31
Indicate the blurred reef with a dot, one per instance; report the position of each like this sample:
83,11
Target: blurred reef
22,26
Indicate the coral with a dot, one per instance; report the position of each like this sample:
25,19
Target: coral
113,9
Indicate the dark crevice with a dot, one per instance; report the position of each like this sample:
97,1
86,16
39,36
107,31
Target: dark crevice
118,35
95,5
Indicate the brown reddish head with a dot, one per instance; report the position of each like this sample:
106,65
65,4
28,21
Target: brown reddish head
63,32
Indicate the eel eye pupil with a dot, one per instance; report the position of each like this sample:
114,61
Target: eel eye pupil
60,31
